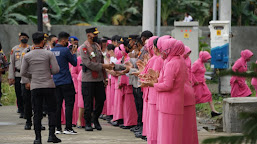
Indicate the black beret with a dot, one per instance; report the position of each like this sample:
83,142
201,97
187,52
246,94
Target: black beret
92,30
23,34
133,36
146,34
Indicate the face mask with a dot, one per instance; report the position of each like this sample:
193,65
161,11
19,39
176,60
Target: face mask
95,39
67,43
24,40
54,43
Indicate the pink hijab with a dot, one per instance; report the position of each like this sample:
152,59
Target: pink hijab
160,41
204,56
246,54
187,50
149,45
118,53
173,47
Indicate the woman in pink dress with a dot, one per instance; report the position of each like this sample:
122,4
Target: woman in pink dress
201,90
118,99
189,119
81,120
74,74
239,88
129,107
152,113
170,88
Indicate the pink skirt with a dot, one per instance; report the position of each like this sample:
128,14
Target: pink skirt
144,116
240,90
118,105
152,128
129,109
75,114
202,93
109,100
80,96
190,126
170,128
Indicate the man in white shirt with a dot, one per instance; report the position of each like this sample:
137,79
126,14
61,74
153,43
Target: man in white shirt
188,17
46,20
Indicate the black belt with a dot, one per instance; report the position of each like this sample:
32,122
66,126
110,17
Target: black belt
17,70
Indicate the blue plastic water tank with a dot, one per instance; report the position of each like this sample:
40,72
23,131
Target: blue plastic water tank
220,56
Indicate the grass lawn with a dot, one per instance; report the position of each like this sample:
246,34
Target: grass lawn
8,97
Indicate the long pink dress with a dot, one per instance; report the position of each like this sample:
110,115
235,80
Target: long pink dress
80,97
145,97
118,99
189,120
254,83
170,87
108,97
239,88
152,114
129,107
74,74
201,91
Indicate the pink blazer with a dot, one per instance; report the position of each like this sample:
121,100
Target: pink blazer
170,86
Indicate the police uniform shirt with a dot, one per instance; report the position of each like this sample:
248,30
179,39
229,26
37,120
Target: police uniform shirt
39,65
25,80
15,62
92,66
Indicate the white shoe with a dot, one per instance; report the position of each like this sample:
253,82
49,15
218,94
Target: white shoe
69,132
58,132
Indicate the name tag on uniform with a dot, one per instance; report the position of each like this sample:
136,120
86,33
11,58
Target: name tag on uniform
56,53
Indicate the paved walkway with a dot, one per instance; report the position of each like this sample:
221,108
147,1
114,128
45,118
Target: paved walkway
12,132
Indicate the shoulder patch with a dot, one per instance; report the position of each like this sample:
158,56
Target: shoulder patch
12,52
23,53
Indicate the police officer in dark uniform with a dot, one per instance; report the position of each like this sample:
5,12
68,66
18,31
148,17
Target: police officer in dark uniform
93,78
14,75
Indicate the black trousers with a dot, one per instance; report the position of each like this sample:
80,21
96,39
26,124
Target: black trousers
91,90
67,93
27,103
138,95
18,93
37,103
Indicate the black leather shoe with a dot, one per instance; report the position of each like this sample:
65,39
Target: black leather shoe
73,125
89,128
139,129
97,125
38,138
43,128
126,127
54,139
133,129
138,135
27,126
21,115
115,123
213,114
144,138
37,142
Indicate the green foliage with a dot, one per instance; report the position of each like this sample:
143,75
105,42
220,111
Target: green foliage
249,132
120,12
8,96
248,74
203,46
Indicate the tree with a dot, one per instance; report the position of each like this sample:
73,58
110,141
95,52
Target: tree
10,15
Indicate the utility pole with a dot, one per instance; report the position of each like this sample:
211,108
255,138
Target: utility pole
39,16
149,15
159,2
214,15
